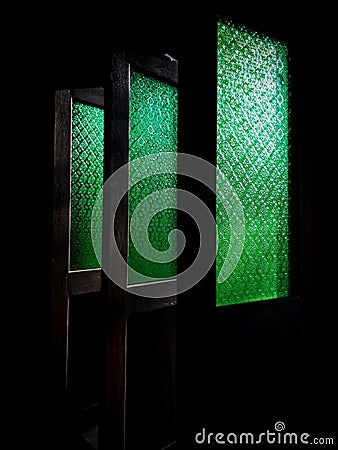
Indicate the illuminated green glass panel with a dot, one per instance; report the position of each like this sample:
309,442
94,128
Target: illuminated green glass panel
86,182
153,129
252,152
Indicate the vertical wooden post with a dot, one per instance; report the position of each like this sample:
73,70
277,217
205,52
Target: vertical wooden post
60,257
112,430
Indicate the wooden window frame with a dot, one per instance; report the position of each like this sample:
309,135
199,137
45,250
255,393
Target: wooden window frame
163,68
119,304
65,282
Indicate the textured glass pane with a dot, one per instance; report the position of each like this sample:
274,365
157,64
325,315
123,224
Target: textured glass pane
153,129
252,152
86,182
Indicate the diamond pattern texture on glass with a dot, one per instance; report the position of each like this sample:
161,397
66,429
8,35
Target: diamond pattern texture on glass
153,129
252,152
86,182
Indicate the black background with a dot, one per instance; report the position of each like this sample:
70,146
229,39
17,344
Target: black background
237,371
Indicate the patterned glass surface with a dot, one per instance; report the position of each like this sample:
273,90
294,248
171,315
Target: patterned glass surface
252,152
86,182
153,129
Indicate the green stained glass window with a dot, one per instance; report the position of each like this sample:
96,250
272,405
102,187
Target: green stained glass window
153,129
252,153
86,182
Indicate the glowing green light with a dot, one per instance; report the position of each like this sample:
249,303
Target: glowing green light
153,129
86,182
252,152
